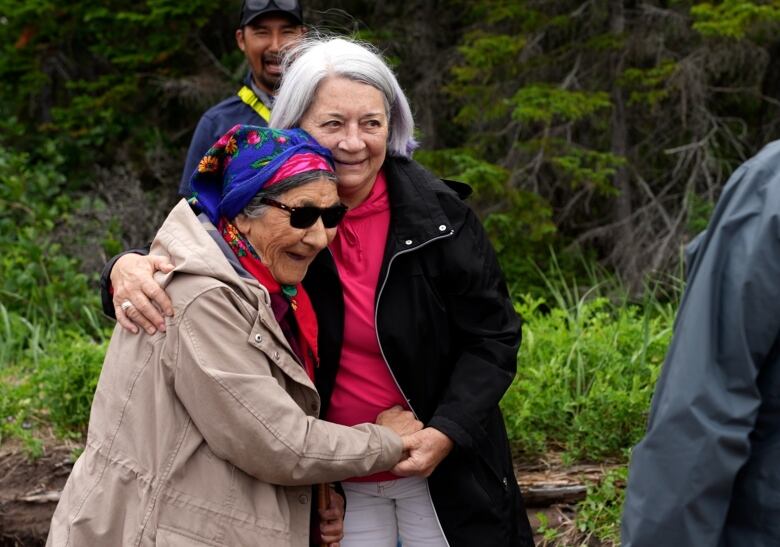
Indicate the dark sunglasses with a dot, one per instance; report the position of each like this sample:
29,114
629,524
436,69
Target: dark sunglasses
305,217
256,5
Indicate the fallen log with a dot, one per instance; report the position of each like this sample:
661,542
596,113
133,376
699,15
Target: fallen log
546,495
543,487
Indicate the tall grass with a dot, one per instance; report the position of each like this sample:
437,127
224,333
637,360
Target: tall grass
47,378
586,368
51,339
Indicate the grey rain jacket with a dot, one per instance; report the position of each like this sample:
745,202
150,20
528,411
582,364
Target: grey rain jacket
707,472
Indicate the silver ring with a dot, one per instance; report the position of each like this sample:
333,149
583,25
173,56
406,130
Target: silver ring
126,305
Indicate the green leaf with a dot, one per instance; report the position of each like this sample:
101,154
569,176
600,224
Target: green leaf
545,103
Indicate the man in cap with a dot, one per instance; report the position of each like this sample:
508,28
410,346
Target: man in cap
265,27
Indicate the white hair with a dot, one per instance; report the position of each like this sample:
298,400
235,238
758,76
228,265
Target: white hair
305,67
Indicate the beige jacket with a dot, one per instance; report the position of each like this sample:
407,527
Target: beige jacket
207,434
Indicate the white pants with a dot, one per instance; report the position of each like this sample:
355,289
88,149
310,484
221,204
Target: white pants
379,513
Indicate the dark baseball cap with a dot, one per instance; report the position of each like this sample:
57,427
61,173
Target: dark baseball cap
252,8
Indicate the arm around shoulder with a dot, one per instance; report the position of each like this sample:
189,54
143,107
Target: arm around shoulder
137,299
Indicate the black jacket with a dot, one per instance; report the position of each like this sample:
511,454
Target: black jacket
448,330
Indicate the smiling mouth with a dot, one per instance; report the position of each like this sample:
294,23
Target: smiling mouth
350,163
298,258
272,65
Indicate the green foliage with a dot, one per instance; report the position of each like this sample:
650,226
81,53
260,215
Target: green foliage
93,76
613,116
15,412
488,60
520,235
521,230
485,52
589,168
485,178
545,103
65,381
648,86
36,279
22,339
50,385
49,363
549,533
599,514
586,371
736,18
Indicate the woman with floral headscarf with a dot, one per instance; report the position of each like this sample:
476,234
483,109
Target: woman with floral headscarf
207,434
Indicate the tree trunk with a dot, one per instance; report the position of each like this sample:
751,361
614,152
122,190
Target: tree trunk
624,234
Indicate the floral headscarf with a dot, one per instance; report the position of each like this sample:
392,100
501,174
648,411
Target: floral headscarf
244,160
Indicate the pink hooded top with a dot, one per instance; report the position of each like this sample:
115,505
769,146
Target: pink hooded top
364,385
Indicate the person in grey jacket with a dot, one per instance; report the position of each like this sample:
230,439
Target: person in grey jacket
707,472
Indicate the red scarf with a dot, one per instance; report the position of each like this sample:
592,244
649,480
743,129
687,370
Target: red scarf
300,304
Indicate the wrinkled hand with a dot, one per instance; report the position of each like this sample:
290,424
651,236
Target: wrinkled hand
131,279
425,450
399,420
332,520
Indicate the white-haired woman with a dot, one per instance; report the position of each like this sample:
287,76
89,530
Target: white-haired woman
424,316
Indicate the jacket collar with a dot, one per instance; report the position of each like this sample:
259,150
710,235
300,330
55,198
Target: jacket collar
265,98
187,241
416,214
194,249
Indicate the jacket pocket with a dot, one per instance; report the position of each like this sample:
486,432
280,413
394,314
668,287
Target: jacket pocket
172,537
488,480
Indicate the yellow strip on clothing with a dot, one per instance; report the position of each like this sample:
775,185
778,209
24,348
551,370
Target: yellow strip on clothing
249,97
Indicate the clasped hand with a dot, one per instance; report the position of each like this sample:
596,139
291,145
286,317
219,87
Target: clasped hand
424,448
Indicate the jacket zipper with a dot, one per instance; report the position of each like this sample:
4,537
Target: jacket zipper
387,364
